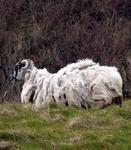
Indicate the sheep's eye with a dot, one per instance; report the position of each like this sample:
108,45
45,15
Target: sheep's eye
18,67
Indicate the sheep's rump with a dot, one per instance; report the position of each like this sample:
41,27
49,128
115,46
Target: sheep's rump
82,84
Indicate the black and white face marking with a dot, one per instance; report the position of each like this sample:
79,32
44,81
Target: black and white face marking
17,72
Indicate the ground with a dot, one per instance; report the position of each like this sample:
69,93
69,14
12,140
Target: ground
65,128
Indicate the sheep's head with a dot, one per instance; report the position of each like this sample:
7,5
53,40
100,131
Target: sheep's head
21,69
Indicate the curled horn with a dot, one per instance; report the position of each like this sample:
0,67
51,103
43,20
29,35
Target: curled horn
25,63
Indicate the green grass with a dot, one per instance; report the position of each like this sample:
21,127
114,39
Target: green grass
66,128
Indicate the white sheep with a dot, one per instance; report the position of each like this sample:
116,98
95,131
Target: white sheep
82,84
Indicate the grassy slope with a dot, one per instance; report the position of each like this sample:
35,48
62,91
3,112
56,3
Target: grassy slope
66,128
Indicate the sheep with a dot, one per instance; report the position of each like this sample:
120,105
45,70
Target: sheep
83,84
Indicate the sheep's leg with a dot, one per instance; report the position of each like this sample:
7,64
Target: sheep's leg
26,94
38,101
120,101
117,101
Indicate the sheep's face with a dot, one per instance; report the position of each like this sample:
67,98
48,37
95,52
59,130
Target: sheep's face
20,70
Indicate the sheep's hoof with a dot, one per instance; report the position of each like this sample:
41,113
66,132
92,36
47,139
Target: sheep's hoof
27,105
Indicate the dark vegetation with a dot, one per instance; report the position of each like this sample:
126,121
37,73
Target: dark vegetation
56,32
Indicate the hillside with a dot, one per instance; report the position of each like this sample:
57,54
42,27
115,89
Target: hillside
62,128
54,33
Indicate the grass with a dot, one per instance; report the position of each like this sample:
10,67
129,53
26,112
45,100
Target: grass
66,128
